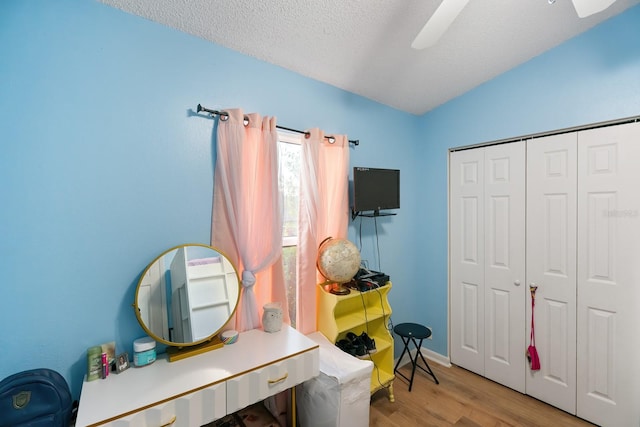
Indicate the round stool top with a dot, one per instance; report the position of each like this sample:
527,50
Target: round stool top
412,330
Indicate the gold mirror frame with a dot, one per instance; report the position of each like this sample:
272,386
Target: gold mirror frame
185,297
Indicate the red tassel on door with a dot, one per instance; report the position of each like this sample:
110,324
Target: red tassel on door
534,360
532,352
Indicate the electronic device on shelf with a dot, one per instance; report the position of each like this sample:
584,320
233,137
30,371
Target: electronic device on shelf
366,280
375,190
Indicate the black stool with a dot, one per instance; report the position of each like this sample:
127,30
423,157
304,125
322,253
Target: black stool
410,332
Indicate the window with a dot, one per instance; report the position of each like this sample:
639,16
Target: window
289,151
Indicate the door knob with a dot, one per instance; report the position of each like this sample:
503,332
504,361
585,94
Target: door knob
517,283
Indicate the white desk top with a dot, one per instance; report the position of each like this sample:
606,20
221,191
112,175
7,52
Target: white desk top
162,381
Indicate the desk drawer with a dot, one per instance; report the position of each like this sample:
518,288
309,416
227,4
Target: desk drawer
261,383
194,409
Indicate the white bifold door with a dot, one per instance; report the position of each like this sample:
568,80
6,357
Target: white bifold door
487,262
608,302
581,214
551,266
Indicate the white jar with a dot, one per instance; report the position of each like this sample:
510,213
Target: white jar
272,317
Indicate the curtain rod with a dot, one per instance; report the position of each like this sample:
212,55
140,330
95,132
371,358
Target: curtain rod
225,114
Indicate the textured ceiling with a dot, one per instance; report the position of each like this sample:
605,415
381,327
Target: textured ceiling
364,46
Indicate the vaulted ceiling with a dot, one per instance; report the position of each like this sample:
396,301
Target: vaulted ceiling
364,46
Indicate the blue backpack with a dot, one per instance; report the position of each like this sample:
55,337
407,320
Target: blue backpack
35,398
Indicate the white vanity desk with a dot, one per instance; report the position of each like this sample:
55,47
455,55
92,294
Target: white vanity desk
197,390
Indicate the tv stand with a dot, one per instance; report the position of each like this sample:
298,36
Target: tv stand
372,214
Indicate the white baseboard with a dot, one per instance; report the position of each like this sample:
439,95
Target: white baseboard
429,354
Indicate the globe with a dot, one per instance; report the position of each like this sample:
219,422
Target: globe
338,261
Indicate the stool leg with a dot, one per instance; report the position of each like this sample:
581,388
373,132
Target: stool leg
404,350
414,361
429,371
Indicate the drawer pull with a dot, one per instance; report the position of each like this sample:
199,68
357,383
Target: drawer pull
171,421
279,380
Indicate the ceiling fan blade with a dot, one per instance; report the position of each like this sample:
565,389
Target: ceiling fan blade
586,8
438,23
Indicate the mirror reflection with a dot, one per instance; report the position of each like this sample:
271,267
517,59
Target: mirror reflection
187,294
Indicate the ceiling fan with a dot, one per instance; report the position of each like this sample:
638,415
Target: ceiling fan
448,10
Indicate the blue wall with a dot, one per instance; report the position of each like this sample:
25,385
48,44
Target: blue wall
104,164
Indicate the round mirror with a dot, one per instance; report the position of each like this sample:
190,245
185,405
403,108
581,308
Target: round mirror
187,295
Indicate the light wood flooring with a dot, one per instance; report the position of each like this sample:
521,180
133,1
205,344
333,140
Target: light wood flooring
462,399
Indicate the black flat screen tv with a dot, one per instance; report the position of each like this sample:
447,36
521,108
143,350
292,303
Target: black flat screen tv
375,189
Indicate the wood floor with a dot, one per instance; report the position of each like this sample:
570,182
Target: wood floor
462,399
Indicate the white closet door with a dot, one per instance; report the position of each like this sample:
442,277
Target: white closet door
609,275
504,260
487,262
551,265
466,224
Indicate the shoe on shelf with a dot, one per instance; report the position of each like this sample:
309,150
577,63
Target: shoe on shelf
363,343
352,337
353,345
369,342
346,346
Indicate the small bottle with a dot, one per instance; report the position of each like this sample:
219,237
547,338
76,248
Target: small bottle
105,366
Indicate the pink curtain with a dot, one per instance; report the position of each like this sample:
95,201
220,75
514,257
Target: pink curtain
324,212
247,211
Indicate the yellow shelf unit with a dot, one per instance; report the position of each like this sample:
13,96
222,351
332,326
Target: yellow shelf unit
360,312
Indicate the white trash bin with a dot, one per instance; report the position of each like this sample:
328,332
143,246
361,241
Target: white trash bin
340,396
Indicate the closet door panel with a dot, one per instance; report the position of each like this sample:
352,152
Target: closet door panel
609,275
551,265
504,271
466,226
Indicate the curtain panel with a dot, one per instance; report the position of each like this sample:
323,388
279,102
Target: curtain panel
247,211
324,212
